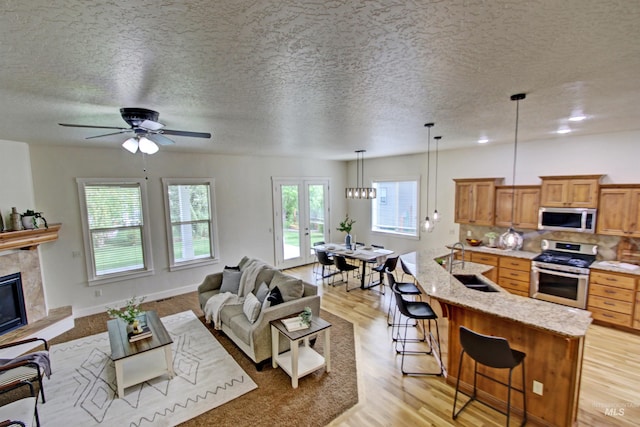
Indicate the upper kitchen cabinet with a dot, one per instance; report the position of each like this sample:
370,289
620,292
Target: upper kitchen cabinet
525,211
580,191
475,200
619,213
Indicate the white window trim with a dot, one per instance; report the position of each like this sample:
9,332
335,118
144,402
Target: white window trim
92,278
213,226
417,179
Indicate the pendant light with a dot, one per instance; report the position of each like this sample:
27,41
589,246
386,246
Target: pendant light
360,192
436,215
427,225
511,239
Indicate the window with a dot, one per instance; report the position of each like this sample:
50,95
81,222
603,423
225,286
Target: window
191,226
395,211
115,230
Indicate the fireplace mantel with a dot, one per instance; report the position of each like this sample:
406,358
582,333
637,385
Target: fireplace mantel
28,239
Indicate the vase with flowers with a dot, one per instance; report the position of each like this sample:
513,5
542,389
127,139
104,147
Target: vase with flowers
345,227
130,314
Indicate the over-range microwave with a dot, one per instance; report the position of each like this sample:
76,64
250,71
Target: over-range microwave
581,220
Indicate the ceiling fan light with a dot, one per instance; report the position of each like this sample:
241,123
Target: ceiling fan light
131,145
147,146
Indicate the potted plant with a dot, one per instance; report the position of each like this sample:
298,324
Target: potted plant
345,227
305,316
492,236
129,313
30,219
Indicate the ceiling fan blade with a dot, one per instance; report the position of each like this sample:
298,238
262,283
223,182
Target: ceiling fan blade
150,125
186,133
109,134
93,127
160,139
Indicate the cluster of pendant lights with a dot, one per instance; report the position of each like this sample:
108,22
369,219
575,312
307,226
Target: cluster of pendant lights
360,192
429,223
142,143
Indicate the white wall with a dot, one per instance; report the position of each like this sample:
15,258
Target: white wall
16,187
243,197
615,155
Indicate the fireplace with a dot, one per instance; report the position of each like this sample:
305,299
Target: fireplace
12,309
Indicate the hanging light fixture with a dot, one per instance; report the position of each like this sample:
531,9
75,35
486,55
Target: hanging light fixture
360,192
142,143
512,239
427,224
436,215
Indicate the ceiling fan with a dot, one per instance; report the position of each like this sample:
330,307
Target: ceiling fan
149,133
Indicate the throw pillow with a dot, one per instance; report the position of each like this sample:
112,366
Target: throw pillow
275,297
290,287
251,307
263,291
230,281
232,267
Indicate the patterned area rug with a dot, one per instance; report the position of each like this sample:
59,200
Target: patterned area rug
82,389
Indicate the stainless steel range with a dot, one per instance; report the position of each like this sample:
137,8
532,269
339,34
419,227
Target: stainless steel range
560,273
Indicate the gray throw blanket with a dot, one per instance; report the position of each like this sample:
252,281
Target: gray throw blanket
39,357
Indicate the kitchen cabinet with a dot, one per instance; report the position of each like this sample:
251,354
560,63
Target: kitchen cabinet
475,200
619,212
612,297
514,275
487,259
580,191
525,210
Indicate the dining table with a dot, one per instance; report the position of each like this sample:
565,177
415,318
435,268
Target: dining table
364,254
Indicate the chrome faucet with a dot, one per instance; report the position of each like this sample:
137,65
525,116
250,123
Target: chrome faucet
452,259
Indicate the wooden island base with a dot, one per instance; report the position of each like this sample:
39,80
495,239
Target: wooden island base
552,359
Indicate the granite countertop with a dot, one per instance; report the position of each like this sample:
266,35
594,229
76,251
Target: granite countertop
616,267
439,284
498,251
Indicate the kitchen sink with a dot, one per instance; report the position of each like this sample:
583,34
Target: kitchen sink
472,281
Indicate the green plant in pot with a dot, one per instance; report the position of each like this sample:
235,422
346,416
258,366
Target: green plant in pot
30,219
306,315
345,227
492,236
130,313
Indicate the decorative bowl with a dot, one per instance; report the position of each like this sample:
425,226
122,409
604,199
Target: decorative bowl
474,242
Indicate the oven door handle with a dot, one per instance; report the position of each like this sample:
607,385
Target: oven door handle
559,273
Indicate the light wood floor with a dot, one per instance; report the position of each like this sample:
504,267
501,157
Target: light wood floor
610,376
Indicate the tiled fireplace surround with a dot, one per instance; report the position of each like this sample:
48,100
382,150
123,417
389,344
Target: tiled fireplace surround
27,263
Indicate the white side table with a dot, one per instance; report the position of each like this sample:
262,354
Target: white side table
300,360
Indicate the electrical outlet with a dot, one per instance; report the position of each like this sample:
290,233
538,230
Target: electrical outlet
537,387
98,292
75,254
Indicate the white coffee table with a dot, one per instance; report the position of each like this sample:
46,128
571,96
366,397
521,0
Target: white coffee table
299,361
142,360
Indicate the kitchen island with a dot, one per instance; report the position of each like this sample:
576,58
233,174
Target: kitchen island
551,335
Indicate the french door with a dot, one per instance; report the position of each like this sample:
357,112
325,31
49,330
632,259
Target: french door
300,216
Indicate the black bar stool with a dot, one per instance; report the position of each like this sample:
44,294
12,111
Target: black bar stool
405,288
493,352
418,311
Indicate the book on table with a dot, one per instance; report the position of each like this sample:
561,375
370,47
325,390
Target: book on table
294,324
146,333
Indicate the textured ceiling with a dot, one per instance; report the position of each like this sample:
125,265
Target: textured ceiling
319,78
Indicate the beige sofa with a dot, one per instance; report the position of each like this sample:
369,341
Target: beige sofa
254,339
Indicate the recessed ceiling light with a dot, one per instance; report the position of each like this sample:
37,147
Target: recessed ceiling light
563,130
483,140
577,118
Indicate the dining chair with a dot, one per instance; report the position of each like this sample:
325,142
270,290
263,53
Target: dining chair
316,264
389,265
327,263
344,268
493,352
